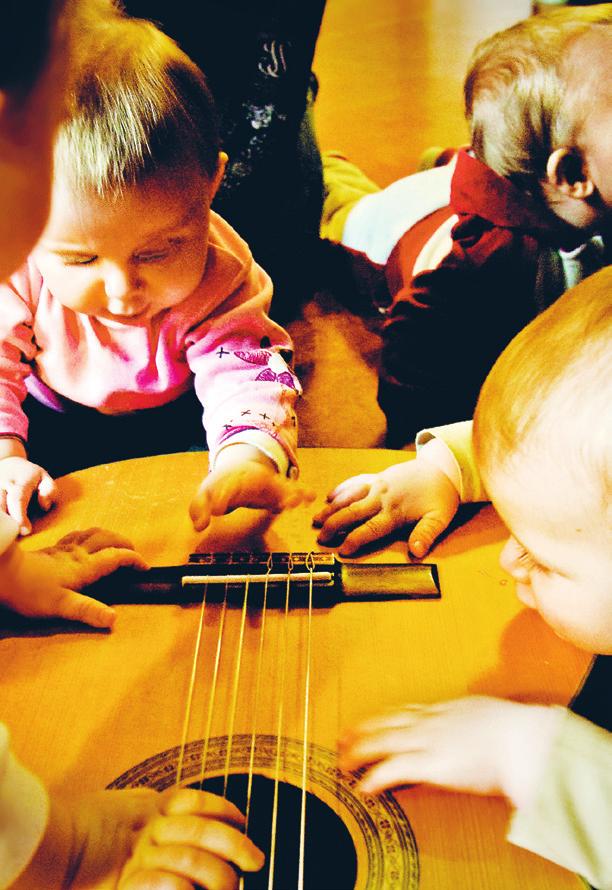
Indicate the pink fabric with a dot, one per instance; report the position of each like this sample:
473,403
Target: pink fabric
219,339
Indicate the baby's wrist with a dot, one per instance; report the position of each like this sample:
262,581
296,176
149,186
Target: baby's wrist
234,455
436,454
530,745
12,446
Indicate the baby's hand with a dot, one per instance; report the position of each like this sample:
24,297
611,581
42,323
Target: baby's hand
477,744
137,839
19,480
45,583
244,477
373,505
197,839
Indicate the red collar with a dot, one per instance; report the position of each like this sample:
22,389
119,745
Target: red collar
476,190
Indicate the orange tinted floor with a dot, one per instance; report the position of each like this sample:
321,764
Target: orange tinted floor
391,75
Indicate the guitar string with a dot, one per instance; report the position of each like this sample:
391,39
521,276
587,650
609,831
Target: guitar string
279,724
258,674
213,691
310,565
191,690
230,735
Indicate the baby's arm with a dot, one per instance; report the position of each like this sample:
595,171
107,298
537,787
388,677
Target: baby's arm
19,480
45,583
243,476
554,767
138,839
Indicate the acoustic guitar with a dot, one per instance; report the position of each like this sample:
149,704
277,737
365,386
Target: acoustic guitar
247,694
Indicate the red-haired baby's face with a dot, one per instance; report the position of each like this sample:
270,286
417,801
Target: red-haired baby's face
559,554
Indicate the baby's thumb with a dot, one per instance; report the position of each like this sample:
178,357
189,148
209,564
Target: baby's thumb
47,490
425,532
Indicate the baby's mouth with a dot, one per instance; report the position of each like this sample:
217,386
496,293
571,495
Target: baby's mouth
129,317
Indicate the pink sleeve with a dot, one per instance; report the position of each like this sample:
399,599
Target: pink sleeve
241,359
17,349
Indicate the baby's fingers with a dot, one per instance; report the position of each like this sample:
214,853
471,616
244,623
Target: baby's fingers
47,490
96,539
201,507
286,495
355,514
75,606
103,562
401,769
375,746
426,531
345,493
188,801
149,879
175,868
206,834
18,496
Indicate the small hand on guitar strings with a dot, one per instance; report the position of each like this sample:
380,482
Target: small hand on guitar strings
135,839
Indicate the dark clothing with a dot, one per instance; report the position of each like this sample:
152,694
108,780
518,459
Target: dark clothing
451,322
594,700
79,437
257,58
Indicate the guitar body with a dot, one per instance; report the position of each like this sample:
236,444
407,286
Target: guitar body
272,690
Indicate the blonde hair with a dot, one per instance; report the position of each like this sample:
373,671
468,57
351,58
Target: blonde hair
550,391
139,105
519,100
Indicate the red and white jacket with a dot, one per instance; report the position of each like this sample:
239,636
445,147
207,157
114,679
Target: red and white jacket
459,259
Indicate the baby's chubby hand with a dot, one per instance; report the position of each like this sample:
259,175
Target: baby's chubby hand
19,480
368,507
196,839
244,477
138,839
476,744
45,583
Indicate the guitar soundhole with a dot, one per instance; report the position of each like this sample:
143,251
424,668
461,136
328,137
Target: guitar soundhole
370,842
330,859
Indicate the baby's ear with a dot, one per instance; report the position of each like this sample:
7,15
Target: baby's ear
566,172
216,180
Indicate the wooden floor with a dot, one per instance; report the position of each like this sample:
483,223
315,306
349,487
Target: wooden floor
391,75
390,85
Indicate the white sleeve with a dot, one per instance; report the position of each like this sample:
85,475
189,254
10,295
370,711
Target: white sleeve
24,810
570,819
455,438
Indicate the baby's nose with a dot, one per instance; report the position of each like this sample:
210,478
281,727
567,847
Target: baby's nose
119,283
